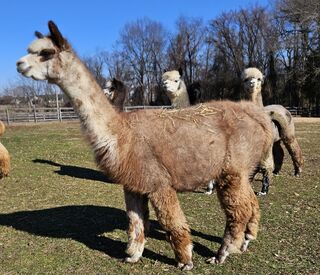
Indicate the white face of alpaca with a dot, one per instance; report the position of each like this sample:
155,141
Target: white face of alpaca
109,89
252,83
40,62
252,79
171,81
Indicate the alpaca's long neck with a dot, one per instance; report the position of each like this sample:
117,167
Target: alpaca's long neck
256,97
181,98
100,122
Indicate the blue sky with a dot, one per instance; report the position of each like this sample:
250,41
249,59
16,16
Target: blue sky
91,25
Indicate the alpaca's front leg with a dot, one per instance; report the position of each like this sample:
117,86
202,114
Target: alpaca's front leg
172,219
138,214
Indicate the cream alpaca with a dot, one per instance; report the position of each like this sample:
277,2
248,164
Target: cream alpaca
284,129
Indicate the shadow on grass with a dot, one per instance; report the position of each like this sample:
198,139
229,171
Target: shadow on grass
85,224
76,171
88,224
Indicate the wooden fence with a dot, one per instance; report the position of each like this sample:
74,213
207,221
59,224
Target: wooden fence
16,115
38,114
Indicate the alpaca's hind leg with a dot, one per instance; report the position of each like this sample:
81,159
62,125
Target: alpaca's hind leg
138,214
267,165
253,224
295,152
278,155
172,219
236,197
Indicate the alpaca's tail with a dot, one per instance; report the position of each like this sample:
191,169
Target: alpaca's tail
2,128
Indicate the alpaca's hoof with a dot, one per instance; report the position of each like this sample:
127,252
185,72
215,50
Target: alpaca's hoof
212,260
208,192
215,260
131,259
185,267
297,174
244,246
297,171
261,194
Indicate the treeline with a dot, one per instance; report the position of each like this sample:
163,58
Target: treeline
283,42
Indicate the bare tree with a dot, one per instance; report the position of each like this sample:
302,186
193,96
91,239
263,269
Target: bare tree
187,48
299,24
96,64
143,43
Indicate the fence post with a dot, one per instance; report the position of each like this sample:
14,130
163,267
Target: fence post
35,114
8,118
60,114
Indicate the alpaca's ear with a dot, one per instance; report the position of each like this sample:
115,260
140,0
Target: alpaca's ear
117,83
38,34
57,37
180,71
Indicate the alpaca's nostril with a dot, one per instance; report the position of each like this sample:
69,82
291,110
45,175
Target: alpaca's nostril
19,63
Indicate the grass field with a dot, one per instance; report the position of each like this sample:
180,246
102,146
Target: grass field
59,215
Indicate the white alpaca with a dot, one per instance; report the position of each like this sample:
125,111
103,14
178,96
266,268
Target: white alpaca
283,126
149,152
176,89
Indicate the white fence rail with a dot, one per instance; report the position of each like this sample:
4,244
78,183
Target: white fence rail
36,114
16,115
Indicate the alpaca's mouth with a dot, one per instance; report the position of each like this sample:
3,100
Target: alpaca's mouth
22,69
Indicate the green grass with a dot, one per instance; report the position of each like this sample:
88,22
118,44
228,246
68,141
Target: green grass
58,214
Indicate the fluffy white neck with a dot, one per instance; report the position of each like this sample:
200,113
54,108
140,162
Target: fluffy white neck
256,97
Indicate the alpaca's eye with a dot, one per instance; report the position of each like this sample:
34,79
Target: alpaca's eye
112,89
176,80
259,79
247,79
46,54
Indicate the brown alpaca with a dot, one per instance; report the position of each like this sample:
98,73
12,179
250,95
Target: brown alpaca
116,91
156,153
283,125
4,156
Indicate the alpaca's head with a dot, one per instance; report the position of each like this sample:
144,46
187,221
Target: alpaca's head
113,88
172,82
116,92
252,79
45,55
